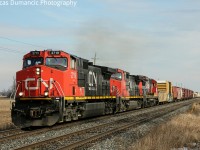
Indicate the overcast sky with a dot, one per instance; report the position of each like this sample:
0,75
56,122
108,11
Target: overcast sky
159,39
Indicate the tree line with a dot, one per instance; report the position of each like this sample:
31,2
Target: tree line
10,91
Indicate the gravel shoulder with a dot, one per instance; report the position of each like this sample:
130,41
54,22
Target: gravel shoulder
127,139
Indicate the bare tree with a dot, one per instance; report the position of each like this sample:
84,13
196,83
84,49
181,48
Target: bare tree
10,91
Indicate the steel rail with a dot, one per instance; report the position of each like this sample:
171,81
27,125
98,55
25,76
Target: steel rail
12,135
80,134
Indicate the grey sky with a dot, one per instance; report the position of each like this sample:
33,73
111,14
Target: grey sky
159,39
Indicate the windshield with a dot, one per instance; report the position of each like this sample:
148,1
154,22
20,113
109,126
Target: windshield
117,76
58,63
32,61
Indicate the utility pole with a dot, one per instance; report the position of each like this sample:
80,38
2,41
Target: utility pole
95,58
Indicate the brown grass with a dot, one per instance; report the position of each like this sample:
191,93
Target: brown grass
179,132
5,113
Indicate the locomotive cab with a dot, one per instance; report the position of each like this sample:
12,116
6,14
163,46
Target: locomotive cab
41,74
42,84
120,83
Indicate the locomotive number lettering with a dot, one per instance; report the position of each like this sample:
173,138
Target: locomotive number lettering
54,52
92,81
40,80
35,53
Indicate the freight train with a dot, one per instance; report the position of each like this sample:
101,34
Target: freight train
55,86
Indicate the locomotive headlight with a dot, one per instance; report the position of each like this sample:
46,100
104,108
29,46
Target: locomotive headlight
37,71
21,93
46,93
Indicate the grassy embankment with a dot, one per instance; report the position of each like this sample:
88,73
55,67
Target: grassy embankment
5,118
182,131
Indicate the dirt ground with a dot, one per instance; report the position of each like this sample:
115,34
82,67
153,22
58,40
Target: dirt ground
5,113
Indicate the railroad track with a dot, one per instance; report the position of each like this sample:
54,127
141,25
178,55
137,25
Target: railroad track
5,133
18,133
86,136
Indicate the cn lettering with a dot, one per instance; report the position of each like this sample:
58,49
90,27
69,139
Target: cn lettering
40,80
92,81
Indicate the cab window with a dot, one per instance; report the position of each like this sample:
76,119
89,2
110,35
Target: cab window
117,76
73,63
32,61
57,63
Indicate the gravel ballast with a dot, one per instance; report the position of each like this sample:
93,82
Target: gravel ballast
122,140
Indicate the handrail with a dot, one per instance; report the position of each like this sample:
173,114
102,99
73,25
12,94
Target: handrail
57,88
62,104
60,88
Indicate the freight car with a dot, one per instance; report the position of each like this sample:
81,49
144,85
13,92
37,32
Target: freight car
165,91
196,94
187,94
54,86
177,93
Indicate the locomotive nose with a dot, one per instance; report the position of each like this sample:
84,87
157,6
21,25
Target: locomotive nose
33,82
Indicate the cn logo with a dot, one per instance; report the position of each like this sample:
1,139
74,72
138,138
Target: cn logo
39,81
92,81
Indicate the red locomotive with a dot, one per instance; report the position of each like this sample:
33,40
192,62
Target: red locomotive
54,86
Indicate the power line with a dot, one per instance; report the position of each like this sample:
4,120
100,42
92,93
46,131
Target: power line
22,42
9,50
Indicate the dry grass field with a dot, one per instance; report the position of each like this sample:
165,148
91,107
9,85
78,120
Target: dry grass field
181,131
5,118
